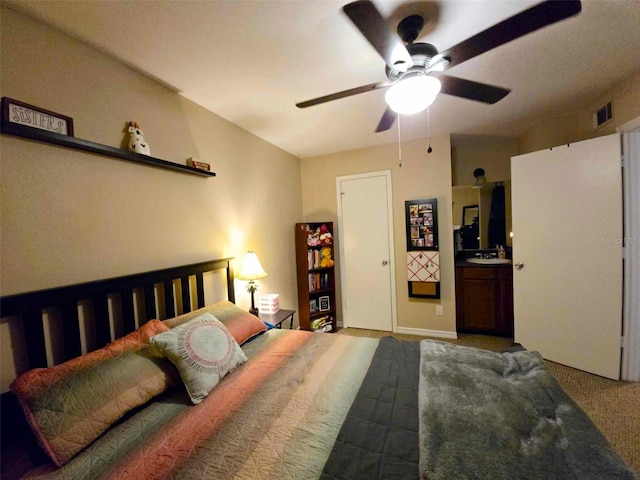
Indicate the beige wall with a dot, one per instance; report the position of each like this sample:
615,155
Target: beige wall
578,125
69,216
491,154
422,175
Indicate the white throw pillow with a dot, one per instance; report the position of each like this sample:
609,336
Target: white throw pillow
203,350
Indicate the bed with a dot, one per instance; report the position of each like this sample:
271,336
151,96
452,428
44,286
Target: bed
193,388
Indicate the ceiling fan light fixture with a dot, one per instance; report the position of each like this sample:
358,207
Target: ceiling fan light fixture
412,94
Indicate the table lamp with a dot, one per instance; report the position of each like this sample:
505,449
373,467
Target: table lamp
251,270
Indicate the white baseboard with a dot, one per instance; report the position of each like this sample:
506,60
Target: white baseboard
428,333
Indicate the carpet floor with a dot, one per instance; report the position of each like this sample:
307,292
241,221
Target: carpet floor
614,407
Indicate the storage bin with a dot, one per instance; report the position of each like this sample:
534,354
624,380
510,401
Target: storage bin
269,303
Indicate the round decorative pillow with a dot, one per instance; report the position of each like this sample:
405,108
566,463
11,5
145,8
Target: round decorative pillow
203,351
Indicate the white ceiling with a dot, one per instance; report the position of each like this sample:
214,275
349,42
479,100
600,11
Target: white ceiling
251,61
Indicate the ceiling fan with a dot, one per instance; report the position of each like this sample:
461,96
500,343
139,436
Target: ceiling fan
414,69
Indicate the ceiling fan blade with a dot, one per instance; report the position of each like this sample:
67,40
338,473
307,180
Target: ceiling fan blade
388,117
366,17
530,20
480,92
342,94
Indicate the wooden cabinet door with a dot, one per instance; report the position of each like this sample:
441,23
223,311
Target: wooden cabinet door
479,304
504,313
484,300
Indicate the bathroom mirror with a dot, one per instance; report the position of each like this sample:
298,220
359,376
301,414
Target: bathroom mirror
469,214
491,205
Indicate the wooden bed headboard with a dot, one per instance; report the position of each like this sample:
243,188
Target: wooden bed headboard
148,288
136,297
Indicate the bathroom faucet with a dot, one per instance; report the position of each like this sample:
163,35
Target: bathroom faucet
486,255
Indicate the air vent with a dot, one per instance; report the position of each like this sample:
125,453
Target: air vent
602,116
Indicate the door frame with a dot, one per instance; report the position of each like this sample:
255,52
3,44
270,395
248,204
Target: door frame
630,370
392,263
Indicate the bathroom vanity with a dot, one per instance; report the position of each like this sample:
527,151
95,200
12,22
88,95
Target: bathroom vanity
484,298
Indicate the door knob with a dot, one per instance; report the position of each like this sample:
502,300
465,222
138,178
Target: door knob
519,265
384,263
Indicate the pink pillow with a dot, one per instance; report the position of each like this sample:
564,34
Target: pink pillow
241,324
69,405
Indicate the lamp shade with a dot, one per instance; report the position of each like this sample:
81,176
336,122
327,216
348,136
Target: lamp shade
251,268
412,94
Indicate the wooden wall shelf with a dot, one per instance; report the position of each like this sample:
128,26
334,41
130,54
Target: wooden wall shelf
88,146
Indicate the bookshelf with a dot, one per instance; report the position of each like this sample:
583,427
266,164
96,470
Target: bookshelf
316,276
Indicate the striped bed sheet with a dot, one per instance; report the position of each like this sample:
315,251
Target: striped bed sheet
335,407
275,417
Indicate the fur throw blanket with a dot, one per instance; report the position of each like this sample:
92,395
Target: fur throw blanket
486,415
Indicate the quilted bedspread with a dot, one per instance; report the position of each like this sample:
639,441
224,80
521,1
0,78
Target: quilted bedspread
335,407
276,417
379,437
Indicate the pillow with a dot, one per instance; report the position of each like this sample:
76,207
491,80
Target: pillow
203,350
69,405
242,325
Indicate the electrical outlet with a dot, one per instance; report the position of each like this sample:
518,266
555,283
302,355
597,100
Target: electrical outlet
439,310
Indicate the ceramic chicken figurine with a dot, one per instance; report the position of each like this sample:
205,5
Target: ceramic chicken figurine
137,143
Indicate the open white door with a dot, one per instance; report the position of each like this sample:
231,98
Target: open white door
567,251
366,251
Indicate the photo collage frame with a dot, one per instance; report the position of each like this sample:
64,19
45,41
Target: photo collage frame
422,224
423,269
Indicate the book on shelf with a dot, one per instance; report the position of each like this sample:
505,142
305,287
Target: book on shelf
313,259
318,281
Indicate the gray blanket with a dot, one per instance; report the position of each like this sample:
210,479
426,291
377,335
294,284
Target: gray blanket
485,415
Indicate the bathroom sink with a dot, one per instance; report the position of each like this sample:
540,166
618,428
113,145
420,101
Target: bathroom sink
488,261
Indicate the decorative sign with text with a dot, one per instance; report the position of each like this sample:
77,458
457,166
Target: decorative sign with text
192,162
22,113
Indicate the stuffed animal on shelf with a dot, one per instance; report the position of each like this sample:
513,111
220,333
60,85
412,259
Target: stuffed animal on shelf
137,143
325,257
313,238
325,235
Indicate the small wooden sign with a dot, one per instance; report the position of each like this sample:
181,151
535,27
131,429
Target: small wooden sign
14,111
198,164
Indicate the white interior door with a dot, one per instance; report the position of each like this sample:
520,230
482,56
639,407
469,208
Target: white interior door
567,225
366,247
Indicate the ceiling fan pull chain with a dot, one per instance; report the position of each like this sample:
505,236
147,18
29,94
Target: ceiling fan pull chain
429,150
399,144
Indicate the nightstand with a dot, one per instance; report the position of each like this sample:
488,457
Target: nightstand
277,318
